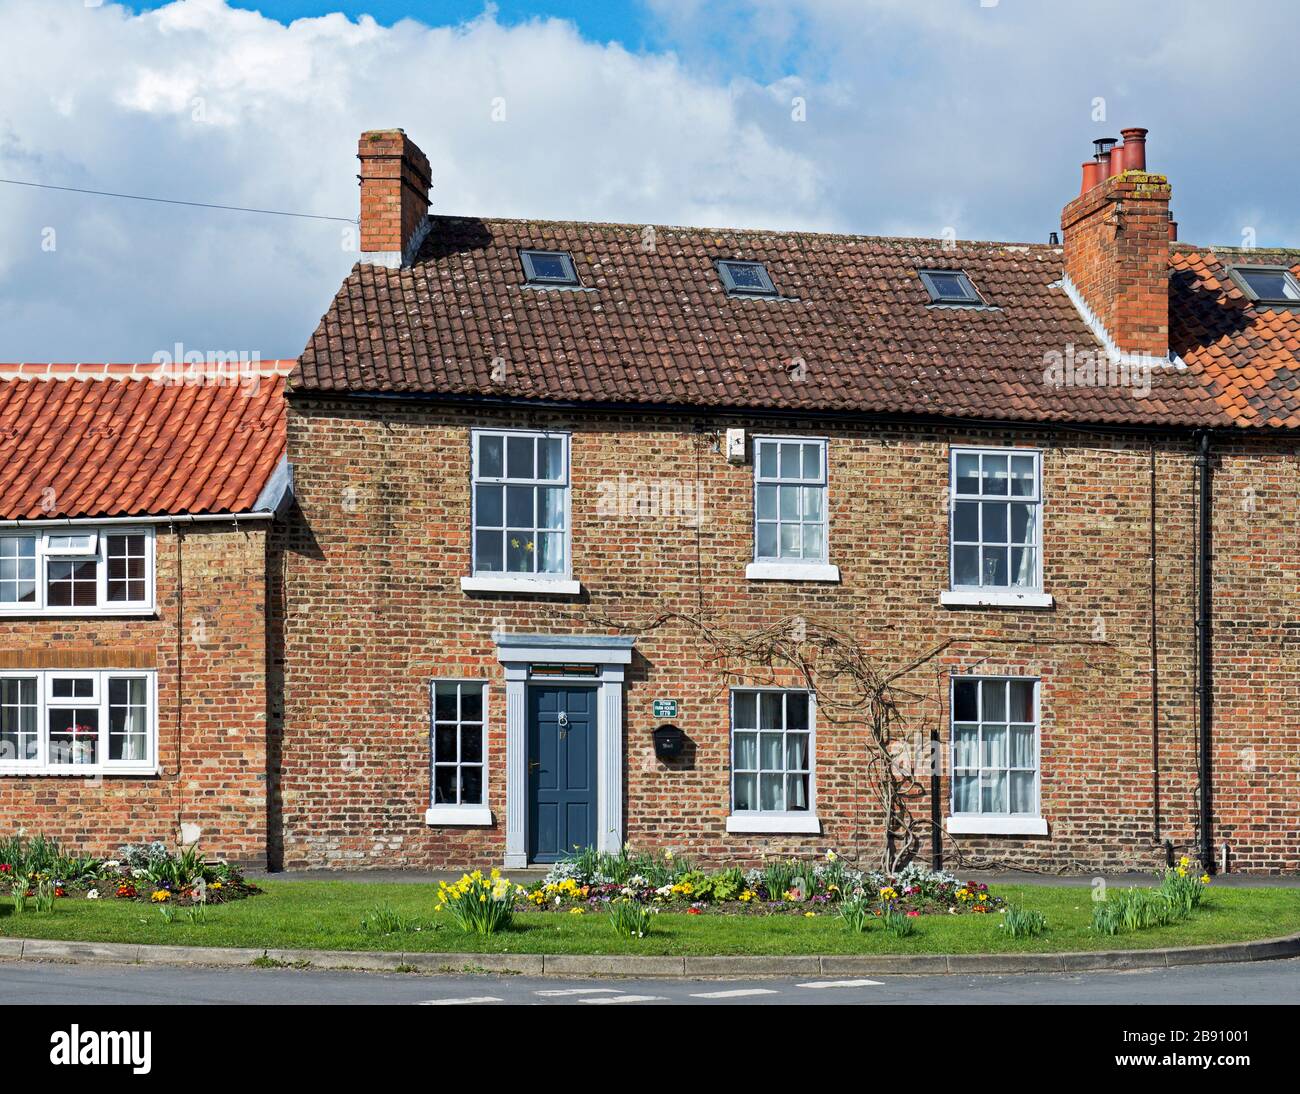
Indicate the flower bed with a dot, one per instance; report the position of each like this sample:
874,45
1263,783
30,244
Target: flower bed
38,869
589,881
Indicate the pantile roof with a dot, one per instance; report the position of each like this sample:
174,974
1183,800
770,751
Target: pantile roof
852,329
122,440
1246,353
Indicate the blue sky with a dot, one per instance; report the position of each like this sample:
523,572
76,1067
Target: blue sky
889,117
613,21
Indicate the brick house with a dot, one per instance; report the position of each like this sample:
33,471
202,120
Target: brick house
136,649
748,543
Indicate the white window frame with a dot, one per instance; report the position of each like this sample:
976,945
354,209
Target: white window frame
757,820
98,550
994,823
45,702
765,568
1014,596
508,581
444,813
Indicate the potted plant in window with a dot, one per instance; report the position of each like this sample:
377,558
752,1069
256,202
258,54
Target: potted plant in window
84,740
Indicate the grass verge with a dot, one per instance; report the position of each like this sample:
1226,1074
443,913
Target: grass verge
327,915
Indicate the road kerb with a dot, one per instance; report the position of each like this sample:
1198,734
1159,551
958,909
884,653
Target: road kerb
599,965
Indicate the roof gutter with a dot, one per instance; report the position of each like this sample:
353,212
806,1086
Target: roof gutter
158,518
686,410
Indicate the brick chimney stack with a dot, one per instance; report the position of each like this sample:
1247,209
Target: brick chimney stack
1116,236
394,197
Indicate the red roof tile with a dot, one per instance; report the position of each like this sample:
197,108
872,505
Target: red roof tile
854,330
137,440
1245,353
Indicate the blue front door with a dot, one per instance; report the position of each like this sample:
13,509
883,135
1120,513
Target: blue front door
561,771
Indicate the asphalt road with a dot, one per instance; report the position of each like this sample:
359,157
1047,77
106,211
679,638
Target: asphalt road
29,982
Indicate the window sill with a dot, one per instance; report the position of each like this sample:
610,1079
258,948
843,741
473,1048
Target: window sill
458,814
75,613
807,823
974,598
791,571
72,771
540,586
972,824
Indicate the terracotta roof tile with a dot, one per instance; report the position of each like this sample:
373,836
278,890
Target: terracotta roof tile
137,440
1244,353
853,330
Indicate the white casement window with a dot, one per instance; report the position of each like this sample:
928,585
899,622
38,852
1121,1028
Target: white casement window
458,753
521,504
789,500
75,722
103,571
772,741
995,765
996,520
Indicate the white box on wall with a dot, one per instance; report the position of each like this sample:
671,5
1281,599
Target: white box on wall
735,446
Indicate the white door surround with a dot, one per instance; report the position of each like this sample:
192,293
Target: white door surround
608,656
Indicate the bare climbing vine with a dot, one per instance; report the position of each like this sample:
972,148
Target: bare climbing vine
899,723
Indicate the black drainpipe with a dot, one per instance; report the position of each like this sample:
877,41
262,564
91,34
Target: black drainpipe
1204,664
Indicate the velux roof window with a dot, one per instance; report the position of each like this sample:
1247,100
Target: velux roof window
1268,284
549,268
746,278
950,287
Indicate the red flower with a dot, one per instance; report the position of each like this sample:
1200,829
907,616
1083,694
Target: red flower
692,911
5,867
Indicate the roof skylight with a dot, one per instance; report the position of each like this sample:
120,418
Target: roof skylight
746,278
549,268
950,287
1268,284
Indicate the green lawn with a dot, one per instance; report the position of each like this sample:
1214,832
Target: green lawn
327,914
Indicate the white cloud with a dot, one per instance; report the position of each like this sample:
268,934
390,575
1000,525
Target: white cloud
919,117
202,102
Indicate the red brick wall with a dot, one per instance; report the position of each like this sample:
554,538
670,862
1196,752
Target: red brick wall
1256,628
212,702
394,189
1117,254
374,610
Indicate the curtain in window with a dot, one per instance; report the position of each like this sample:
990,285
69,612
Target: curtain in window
134,742
1024,574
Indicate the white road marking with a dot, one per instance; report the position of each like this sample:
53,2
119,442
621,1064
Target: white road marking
580,991
841,984
734,994
459,1002
604,1000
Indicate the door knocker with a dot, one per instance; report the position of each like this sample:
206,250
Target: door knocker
563,721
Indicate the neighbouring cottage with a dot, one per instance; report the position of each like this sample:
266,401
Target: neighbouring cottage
137,652
749,543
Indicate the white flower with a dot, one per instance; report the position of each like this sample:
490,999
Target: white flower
93,894
830,856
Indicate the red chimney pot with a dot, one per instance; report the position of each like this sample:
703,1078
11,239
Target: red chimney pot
1135,149
1091,175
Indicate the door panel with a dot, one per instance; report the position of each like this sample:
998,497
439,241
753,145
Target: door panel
561,771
